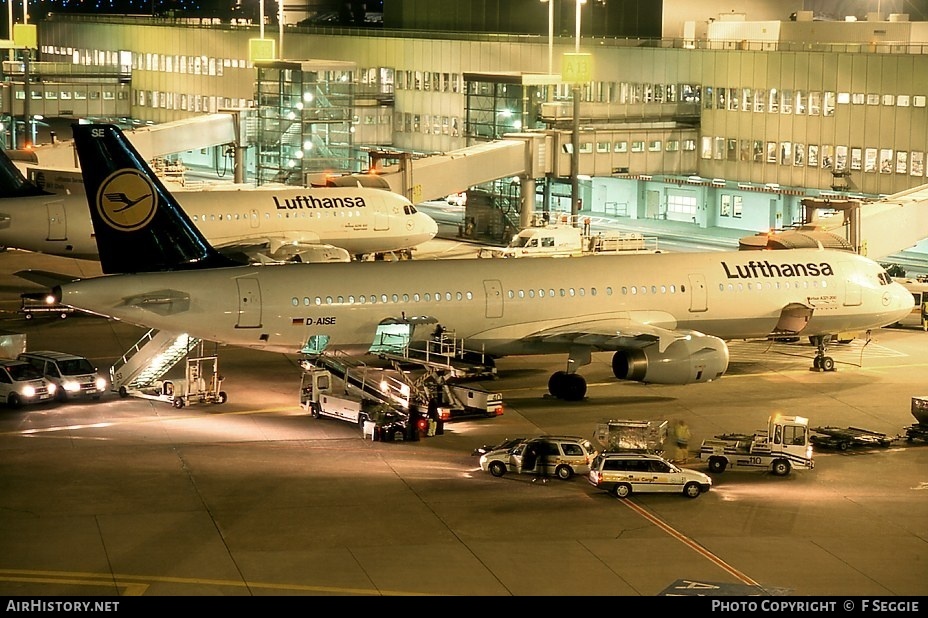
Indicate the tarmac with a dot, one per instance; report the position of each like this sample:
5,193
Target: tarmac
131,497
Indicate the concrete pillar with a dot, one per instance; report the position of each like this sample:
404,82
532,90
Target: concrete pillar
527,214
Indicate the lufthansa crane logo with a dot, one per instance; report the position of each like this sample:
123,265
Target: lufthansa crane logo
127,200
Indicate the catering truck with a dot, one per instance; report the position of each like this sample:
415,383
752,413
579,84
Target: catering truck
785,445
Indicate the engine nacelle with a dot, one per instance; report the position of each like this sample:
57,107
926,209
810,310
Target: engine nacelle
697,358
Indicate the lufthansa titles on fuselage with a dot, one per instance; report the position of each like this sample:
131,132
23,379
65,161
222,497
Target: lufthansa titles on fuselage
311,201
757,270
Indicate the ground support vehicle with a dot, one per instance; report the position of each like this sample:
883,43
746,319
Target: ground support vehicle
623,474
202,383
323,395
440,368
560,456
785,445
37,303
563,240
918,318
842,438
21,383
918,431
631,436
462,399
73,375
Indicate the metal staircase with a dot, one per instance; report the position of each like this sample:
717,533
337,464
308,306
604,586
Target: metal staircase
149,359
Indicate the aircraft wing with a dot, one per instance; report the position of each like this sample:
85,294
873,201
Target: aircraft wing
610,334
281,250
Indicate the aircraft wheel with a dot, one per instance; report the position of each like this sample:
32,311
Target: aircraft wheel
574,387
817,363
828,363
557,384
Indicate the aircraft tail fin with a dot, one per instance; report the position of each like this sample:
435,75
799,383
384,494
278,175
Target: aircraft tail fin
12,181
139,226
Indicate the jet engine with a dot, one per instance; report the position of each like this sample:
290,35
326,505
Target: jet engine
695,358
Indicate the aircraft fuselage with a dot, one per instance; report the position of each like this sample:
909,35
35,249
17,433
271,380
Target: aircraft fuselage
497,305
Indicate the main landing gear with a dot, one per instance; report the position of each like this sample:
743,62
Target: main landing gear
570,385
821,362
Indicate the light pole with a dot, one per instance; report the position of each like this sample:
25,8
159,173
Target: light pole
575,138
550,35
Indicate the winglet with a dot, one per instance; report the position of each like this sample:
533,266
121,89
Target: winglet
139,226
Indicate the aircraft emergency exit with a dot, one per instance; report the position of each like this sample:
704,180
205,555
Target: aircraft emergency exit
664,316
249,223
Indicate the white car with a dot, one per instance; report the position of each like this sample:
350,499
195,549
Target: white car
623,474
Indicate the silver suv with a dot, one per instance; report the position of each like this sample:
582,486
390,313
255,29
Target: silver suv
563,456
625,473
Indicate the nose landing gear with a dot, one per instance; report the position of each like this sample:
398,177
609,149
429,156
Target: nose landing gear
821,362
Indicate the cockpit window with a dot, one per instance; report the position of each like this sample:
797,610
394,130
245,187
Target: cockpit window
884,278
409,209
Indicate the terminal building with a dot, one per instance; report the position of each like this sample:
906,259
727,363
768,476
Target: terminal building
704,115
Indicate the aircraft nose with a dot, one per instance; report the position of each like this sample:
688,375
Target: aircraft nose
429,226
901,302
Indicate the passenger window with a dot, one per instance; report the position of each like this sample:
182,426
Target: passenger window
5,377
572,450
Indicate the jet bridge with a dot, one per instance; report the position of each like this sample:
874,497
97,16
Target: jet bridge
875,229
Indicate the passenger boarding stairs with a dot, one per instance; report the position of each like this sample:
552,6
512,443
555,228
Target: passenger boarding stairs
149,359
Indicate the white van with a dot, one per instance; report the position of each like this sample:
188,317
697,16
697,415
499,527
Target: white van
21,383
74,376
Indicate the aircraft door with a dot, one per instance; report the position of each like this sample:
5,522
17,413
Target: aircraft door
852,294
57,223
494,292
249,303
698,293
255,219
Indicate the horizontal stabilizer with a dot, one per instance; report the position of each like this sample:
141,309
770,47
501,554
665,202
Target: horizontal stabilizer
45,278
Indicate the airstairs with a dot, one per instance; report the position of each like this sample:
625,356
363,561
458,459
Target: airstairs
150,358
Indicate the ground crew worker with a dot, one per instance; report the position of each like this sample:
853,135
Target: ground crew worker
681,434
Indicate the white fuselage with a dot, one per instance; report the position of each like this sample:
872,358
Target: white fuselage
498,305
359,220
